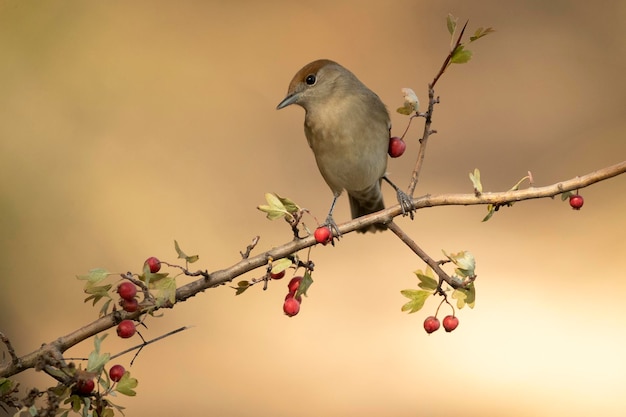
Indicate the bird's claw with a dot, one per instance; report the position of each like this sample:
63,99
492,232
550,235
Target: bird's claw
334,229
406,203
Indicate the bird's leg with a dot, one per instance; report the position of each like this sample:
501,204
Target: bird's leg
330,222
406,203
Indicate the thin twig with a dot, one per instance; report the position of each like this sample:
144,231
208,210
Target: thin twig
421,153
7,343
146,343
446,63
454,283
249,248
429,116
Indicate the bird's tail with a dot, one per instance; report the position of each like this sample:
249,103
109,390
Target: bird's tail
367,202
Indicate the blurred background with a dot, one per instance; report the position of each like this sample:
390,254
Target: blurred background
126,125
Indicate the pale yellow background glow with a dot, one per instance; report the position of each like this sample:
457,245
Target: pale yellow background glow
126,125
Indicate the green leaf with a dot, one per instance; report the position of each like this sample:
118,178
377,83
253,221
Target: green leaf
460,55
97,292
6,386
451,23
475,178
95,275
516,186
166,291
281,265
288,204
491,210
459,296
150,278
104,310
464,261
76,403
406,110
427,279
480,32
465,296
274,209
306,282
566,195
96,361
417,297
107,412
411,102
97,341
271,213
182,255
241,287
126,385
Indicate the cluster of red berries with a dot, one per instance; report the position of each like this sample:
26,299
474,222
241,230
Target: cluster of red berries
291,307
127,292
86,386
431,324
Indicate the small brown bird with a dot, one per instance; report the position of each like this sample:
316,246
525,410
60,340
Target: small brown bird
347,127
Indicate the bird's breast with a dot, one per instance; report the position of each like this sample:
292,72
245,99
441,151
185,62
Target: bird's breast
350,146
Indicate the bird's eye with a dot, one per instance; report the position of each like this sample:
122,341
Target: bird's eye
310,79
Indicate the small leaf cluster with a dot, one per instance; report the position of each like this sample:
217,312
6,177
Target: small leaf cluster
478,190
459,54
273,267
280,207
95,401
159,288
429,285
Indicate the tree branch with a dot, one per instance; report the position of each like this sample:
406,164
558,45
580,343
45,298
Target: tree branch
223,276
434,265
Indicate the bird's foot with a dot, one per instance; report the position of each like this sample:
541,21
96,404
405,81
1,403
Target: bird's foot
406,203
334,229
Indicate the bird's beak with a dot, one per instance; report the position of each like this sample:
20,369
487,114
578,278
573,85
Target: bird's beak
290,99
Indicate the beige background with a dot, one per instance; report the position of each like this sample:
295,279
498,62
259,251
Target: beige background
126,125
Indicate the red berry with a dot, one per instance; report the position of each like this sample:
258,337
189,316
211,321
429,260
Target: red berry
323,235
127,290
277,275
116,372
450,323
85,386
130,305
431,324
126,329
294,284
293,295
154,264
576,201
396,147
291,306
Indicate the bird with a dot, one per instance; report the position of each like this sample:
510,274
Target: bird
348,128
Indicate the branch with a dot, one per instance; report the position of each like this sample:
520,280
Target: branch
223,276
434,265
421,153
